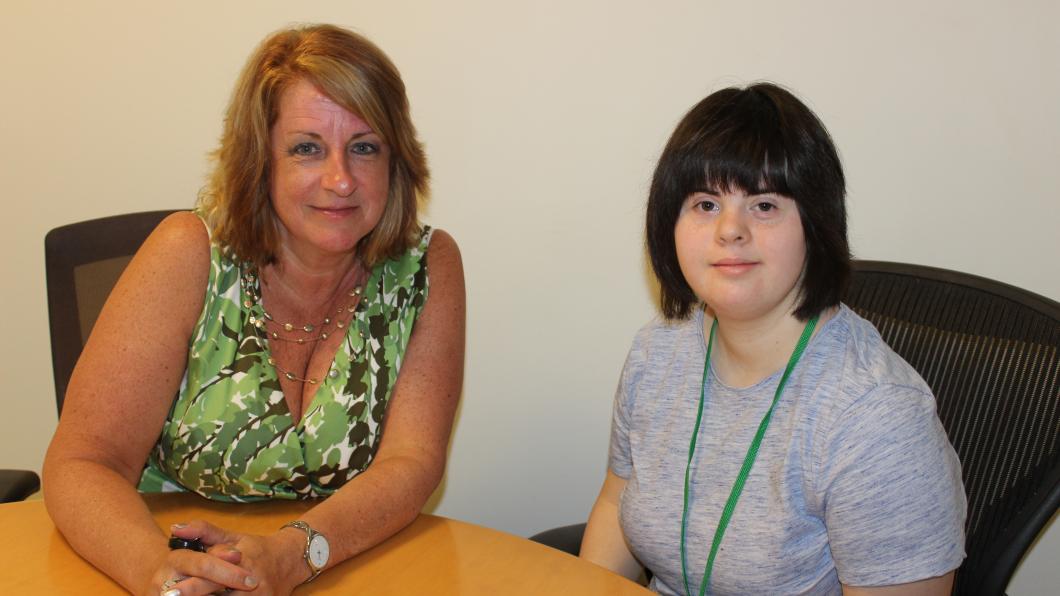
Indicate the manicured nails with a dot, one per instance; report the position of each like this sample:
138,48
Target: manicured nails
179,526
173,592
250,581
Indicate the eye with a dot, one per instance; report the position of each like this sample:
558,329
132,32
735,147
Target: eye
364,148
305,149
705,205
765,206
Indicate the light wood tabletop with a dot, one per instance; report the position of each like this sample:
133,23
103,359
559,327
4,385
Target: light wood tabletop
434,555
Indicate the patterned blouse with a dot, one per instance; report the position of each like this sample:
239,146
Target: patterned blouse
230,436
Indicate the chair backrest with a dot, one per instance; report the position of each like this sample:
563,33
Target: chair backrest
989,351
83,262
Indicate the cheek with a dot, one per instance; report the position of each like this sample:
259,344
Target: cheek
689,248
378,185
792,251
287,182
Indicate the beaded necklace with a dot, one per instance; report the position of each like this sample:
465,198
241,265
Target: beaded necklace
252,300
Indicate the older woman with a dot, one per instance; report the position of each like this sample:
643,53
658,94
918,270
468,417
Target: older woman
765,439
298,336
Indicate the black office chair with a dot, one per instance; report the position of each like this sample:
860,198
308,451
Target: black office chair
989,351
83,261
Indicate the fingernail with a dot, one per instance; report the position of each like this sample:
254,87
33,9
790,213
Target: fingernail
179,526
235,551
173,592
250,581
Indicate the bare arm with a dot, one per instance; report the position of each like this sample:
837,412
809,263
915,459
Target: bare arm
604,543
935,586
117,401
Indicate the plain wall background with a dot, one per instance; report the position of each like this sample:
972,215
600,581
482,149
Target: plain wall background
542,121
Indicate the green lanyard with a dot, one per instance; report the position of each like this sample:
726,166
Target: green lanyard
748,460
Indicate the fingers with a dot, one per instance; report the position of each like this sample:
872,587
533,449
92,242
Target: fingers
190,586
226,553
194,586
204,531
199,573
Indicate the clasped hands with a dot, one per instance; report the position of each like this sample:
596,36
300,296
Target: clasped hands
264,565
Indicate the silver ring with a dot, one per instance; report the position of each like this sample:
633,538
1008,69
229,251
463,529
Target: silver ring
167,586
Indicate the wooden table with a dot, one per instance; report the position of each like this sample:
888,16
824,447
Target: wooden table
434,555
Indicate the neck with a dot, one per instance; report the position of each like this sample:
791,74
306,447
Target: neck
747,351
310,284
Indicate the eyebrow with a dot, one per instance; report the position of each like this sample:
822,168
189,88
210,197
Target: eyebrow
314,135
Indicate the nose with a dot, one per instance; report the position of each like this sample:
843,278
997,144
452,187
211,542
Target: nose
732,226
338,178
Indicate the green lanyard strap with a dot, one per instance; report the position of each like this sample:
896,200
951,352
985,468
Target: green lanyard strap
748,460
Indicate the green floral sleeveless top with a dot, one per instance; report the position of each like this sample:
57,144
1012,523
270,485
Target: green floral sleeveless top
230,435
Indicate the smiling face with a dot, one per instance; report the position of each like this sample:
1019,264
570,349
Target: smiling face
329,177
742,254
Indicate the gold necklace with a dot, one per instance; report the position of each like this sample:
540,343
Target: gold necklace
355,293
252,291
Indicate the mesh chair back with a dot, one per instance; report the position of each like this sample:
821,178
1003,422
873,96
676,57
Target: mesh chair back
989,352
83,261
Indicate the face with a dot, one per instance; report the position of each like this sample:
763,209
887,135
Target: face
742,254
329,176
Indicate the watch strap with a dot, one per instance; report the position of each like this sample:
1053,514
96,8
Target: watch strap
310,533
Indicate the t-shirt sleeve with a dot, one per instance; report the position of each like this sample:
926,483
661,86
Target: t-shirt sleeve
894,503
620,459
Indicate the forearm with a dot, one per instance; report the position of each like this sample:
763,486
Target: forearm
603,543
374,505
104,519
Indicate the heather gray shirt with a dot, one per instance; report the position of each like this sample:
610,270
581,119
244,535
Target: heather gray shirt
855,481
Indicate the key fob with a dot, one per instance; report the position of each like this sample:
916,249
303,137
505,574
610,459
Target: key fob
188,543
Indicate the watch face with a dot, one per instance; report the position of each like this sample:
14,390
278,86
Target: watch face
319,551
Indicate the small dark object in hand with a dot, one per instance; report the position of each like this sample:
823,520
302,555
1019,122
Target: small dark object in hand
188,543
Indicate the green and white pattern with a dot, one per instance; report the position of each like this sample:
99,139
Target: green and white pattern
230,436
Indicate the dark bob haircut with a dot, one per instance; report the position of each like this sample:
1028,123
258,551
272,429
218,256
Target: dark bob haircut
757,139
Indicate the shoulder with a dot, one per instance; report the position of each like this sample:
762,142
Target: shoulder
180,238
445,269
858,389
172,267
441,248
662,338
852,352
663,352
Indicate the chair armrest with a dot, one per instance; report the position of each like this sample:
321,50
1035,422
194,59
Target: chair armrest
16,485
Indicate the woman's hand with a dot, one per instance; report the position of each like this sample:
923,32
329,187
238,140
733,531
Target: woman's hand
194,573
268,565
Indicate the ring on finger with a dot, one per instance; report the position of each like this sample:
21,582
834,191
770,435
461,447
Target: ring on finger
167,586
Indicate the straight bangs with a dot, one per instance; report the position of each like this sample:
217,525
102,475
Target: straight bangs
744,150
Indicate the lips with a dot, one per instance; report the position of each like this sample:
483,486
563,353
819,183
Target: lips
336,211
734,261
734,265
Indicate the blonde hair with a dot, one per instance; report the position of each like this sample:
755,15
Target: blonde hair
353,73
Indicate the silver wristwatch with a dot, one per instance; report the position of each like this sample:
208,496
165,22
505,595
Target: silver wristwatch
317,549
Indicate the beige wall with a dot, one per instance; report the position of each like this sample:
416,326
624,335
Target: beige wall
542,121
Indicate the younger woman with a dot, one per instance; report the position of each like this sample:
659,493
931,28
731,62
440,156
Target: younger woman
765,439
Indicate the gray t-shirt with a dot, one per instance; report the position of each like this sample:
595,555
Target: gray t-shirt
855,481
